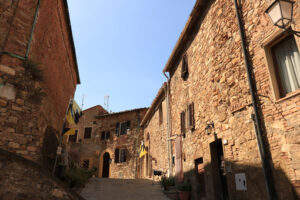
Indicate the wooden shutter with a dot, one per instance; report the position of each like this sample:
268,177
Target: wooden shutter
184,67
116,155
182,119
103,135
123,155
117,128
108,135
191,116
88,132
123,128
128,124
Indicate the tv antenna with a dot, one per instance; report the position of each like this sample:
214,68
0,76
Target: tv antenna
82,101
106,102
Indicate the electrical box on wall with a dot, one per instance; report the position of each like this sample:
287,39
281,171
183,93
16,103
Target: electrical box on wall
240,182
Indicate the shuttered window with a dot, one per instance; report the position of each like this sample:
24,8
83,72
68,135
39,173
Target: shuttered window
191,116
117,128
73,138
105,135
87,132
182,124
120,155
117,152
86,164
184,67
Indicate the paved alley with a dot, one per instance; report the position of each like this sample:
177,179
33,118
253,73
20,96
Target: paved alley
123,189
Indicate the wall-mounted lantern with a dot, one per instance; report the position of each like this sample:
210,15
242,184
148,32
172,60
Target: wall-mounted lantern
281,14
209,128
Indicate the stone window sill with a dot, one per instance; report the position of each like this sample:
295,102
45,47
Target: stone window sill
288,96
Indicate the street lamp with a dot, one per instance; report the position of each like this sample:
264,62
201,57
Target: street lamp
209,128
281,14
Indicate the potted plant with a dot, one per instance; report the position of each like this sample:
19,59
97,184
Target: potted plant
184,190
166,182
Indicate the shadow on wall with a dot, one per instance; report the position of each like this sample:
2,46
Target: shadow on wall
238,182
49,147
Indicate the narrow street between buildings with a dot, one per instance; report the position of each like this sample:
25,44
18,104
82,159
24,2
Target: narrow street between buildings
122,189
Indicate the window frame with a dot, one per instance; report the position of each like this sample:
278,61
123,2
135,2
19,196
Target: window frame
86,164
90,134
160,114
70,139
106,135
184,67
119,154
275,82
118,129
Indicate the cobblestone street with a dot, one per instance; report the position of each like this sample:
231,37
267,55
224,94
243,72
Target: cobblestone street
122,189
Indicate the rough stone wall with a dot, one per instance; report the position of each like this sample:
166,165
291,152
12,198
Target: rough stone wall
23,179
155,139
217,84
94,148
23,122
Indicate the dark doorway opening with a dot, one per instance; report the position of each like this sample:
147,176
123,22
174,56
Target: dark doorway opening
200,175
218,170
106,163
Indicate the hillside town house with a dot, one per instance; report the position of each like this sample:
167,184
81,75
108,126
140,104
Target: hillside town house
156,143
38,71
108,142
235,132
38,78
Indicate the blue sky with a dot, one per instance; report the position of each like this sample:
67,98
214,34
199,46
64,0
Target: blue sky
122,47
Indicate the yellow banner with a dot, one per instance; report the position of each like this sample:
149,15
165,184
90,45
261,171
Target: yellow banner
142,151
74,113
72,131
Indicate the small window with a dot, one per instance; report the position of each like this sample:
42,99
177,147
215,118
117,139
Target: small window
184,67
73,138
105,135
286,60
173,160
182,124
123,128
191,119
86,164
87,133
160,114
94,122
117,128
120,155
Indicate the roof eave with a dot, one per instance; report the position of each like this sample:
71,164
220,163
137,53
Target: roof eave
196,13
157,98
72,40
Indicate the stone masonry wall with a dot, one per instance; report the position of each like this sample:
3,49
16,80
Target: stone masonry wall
93,149
23,122
155,139
217,84
23,179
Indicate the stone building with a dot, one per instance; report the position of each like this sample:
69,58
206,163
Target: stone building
38,74
156,141
108,142
217,144
38,77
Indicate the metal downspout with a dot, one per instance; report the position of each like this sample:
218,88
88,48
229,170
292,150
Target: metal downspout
168,127
30,38
258,122
32,29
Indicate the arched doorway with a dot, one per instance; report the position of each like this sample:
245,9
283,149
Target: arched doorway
106,163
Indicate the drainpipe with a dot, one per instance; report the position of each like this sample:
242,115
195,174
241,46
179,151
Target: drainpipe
168,127
32,29
257,118
30,38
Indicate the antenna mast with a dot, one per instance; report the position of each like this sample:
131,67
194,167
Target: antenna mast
106,102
